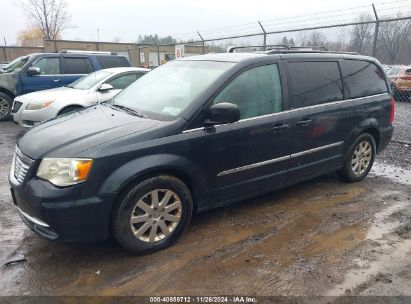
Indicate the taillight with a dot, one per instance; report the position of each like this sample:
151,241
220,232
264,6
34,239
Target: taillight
392,110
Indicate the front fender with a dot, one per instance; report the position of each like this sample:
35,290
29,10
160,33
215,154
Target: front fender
8,83
168,163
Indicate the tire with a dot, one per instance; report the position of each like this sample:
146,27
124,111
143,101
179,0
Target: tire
136,216
6,102
364,150
69,109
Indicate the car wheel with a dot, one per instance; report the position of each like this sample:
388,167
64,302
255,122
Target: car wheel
152,215
69,109
359,159
6,103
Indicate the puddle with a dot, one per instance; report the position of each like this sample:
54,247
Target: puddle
384,256
359,280
397,174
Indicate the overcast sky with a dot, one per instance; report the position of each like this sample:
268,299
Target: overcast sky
126,19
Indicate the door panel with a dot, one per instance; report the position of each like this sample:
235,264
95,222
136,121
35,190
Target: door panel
49,78
317,146
248,156
251,155
321,120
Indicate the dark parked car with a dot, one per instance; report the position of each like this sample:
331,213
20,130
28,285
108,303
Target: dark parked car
198,133
43,71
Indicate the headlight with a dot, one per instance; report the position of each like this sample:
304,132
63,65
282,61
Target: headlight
64,171
38,106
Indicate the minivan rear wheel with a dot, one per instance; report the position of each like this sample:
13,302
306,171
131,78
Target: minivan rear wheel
153,214
359,160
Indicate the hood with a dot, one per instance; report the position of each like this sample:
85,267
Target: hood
68,135
62,93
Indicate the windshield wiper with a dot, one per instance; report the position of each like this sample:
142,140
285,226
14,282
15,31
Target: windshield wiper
128,110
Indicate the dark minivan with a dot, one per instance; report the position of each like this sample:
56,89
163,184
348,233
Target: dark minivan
199,133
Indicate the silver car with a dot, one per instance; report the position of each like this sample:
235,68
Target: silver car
30,109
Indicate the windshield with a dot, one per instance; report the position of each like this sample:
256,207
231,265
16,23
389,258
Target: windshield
16,63
90,80
168,90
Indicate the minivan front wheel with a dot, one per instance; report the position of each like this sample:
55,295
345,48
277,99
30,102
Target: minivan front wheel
153,214
359,159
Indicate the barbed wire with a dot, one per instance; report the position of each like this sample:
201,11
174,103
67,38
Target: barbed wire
306,20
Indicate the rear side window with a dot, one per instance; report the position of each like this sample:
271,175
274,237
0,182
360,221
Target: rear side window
315,83
362,78
77,65
256,91
112,61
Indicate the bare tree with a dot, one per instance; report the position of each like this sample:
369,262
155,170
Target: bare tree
361,34
313,38
393,36
50,16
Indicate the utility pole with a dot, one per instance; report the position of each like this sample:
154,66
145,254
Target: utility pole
98,38
265,35
4,49
377,27
202,40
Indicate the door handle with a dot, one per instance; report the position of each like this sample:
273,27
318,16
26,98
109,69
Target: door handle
279,127
304,122
56,80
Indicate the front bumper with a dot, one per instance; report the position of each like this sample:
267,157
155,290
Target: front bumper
31,118
61,214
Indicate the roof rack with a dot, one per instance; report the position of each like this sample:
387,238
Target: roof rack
87,52
311,47
231,49
307,51
283,48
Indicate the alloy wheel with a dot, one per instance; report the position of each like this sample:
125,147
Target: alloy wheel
156,215
361,158
4,108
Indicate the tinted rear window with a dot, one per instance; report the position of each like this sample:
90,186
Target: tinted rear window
77,65
362,78
112,61
315,83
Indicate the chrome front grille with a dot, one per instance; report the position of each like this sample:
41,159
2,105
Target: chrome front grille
20,167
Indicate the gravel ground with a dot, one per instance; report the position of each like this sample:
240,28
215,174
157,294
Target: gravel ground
322,237
398,152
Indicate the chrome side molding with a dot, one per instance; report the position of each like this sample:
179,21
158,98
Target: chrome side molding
275,160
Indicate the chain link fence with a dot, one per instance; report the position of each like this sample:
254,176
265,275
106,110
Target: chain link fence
389,40
384,33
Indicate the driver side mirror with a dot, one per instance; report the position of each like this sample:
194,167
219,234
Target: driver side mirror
32,71
105,87
223,113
